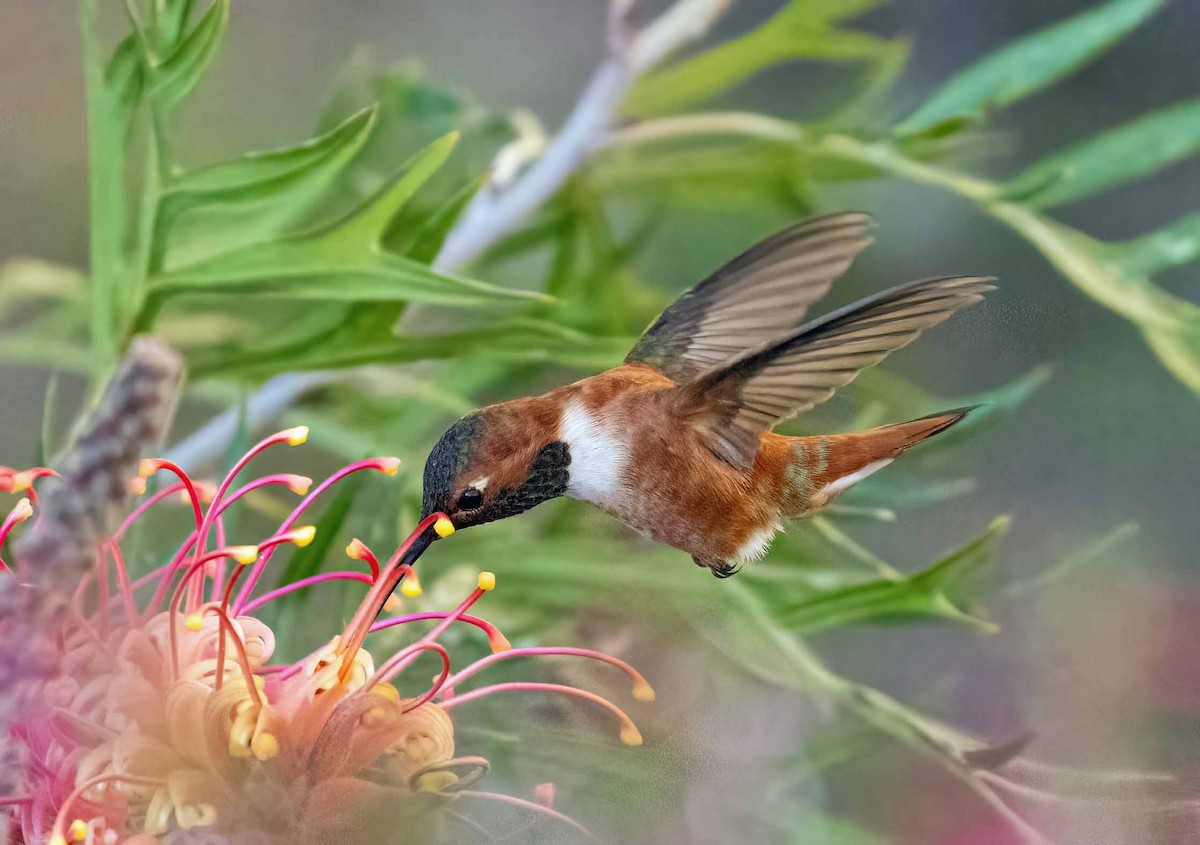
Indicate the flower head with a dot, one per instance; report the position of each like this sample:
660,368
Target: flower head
171,714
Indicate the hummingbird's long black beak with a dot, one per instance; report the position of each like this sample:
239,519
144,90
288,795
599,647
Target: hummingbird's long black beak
425,539
419,544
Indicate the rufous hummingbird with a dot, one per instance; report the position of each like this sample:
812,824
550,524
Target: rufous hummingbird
677,441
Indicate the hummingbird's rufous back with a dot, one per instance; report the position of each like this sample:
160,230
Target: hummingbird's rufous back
677,442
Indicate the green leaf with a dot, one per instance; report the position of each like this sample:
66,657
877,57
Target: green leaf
342,262
801,30
1172,246
1120,155
114,90
346,346
922,594
45,445
175,77
171,16
427,242
253,196
308,560
1031,63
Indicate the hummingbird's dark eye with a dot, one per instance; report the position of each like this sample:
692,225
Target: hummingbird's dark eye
470,499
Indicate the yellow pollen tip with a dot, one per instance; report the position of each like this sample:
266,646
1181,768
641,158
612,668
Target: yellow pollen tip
58,839
147,467
392,603
411,587
21,481
630,735
79,830
265,746
244,554
205,492
487,581
299,484
194,621
137,486
443,527
389,465
642,691
22,510
296,436
356,549
303,536
499,643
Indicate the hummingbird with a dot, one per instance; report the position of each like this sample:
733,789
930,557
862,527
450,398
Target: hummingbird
677,442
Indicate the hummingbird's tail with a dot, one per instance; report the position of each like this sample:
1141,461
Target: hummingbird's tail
831,463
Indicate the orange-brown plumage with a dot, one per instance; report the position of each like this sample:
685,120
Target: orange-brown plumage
677,442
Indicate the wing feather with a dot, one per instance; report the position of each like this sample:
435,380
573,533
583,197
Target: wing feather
738,399
760,295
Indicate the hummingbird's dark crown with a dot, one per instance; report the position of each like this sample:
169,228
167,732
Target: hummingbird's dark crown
487,466
449,459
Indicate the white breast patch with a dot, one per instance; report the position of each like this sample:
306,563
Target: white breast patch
598,456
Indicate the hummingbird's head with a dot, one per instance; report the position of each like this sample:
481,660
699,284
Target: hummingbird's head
495,463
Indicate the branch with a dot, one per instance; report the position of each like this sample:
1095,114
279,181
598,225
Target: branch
498,209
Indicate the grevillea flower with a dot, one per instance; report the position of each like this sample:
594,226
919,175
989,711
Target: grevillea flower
169,718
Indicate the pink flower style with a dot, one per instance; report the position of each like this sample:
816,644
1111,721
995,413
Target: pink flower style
169,719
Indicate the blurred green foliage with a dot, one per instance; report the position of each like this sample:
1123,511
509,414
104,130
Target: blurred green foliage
318,255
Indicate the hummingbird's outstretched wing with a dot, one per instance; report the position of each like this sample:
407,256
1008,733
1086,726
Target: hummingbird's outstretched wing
762,294
735,402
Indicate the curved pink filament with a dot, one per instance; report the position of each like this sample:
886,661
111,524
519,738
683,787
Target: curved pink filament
310,581
161,592
356,631
391,668
547,651
256,573
488,628
536,686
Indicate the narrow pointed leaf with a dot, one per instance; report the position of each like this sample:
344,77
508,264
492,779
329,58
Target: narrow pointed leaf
922,594
263,168
1120,155
427,242
114,91
342,262
346,346
172,16
372,218
1031,63
1172,246
801,30
325,269
178,74
251,197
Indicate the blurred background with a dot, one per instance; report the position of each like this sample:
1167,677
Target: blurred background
1101,664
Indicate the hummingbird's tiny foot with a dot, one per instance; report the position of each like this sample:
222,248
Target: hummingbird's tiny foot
719,568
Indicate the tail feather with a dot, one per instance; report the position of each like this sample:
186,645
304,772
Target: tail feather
842,460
